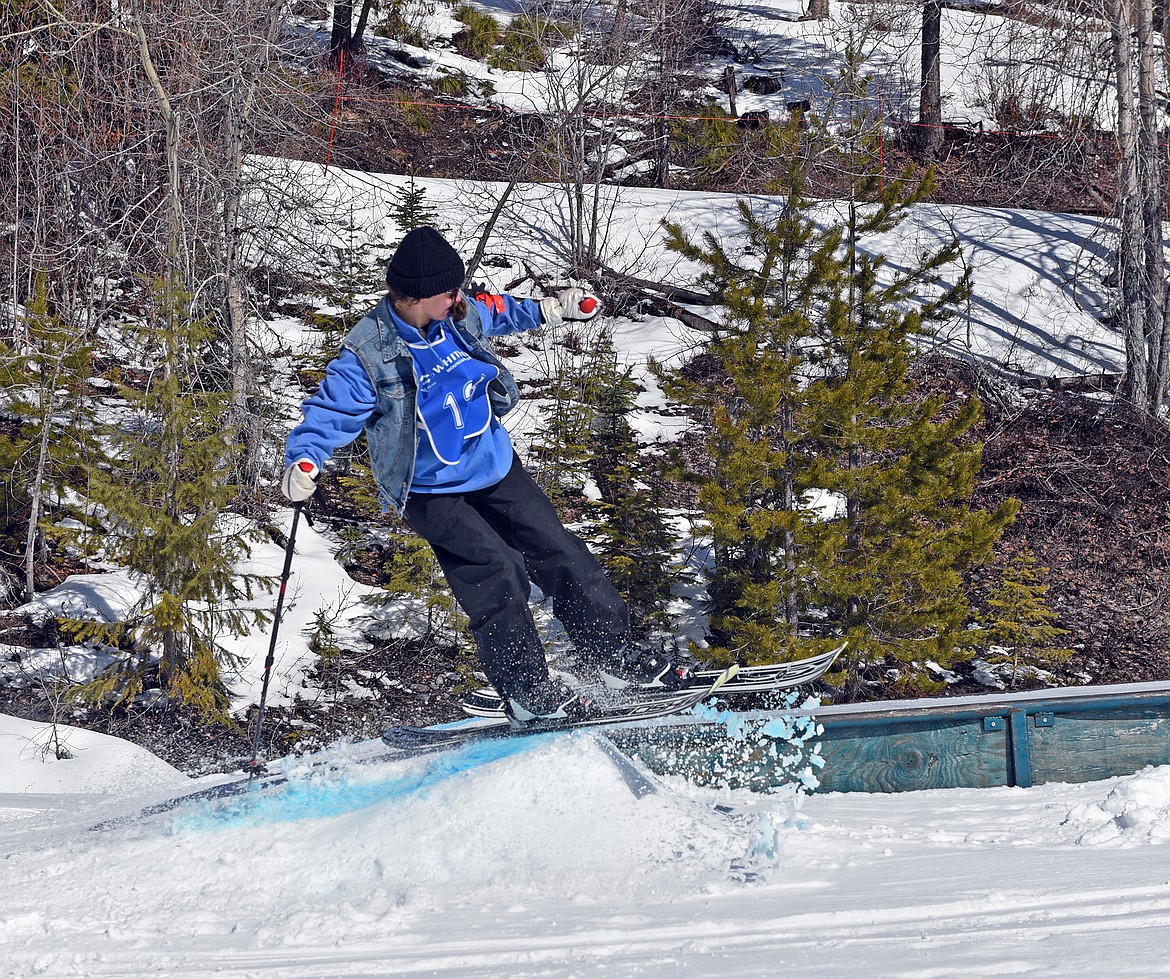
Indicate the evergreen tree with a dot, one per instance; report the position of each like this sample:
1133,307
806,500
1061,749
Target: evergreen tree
753,496
50,429
816,396
1023,631
412,571
560,449
895,562
354,474
163,497
356,281
409,207
632,538
586,435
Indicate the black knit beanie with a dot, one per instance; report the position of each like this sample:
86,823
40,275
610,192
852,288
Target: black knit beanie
424,265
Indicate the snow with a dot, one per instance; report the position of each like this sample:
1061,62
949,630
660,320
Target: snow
315,589
96,764
535,858
1037,301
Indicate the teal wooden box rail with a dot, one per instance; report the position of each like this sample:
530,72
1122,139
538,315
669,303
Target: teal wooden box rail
1073,734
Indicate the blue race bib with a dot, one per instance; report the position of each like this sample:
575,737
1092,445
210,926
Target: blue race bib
453,405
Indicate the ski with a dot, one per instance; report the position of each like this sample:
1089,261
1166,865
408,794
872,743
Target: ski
254,785
485,702
222,790
641,708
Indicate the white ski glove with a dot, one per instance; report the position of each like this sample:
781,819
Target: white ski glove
300,480
571,304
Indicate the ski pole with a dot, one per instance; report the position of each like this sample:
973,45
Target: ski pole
254,766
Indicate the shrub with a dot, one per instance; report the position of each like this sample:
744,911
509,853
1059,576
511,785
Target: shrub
480,34
455,84
402,21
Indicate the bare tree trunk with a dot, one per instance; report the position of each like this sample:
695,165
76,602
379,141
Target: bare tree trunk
341,36
171,126
1130,249
481,245
36,495
1150,173
48,403
16,210
233,293
664,94
363,18
930,135
241,105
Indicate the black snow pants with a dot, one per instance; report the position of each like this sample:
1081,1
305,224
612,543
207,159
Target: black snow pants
491,544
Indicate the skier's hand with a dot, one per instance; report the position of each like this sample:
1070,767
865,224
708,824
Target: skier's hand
300,480
577,304
571,304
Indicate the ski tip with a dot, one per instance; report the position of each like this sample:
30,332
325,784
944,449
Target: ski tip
728,674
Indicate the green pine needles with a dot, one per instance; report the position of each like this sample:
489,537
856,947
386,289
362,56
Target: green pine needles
1022,633
632,537
837,498
162,500
47,433
410,208
588,436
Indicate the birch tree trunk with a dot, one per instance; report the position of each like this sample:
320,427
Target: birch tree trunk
241,107
37,494
1141,264
1150,175
1130,250
171,129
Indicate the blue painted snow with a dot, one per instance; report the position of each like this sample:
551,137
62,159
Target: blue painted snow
334,794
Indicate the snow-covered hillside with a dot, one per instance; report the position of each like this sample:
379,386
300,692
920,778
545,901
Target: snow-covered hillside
1036,292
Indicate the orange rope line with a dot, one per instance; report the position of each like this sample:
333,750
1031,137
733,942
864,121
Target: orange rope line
336,107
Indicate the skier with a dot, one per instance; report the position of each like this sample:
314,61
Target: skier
416,376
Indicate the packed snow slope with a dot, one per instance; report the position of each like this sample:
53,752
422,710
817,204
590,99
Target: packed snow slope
536,858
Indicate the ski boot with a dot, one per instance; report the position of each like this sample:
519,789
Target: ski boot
546,704
638,668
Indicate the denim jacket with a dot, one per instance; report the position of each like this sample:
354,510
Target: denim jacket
392,429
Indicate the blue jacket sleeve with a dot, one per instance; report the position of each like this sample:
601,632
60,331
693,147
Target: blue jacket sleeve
500,315
335,415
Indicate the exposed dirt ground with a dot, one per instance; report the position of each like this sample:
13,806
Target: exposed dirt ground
1096,512
385,126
